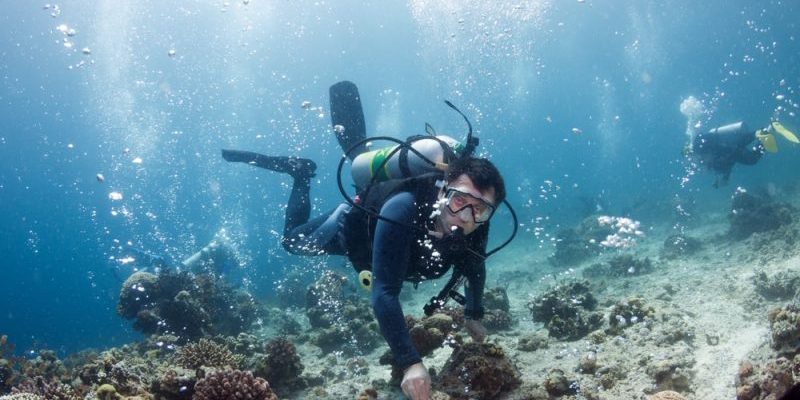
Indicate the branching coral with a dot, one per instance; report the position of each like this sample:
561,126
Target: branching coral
207,353
233,385
281,366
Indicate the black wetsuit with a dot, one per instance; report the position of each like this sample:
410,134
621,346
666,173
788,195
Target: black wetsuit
395,252
720,151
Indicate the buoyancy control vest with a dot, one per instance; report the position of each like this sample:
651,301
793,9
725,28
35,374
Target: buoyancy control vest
360,223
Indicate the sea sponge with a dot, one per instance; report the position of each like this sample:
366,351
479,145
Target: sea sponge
207,353
233,385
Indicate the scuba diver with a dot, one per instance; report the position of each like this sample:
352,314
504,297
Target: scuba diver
721,148
218,257
423,206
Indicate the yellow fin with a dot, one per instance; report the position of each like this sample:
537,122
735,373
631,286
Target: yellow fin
768,141
785,132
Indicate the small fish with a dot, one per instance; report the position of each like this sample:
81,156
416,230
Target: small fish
100,178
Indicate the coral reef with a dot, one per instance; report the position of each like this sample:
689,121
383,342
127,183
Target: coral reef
345,322
427,334
666,395
291,290
781,285
619,265
22,396
233,385
281,366
592,235
774,245
627,313
770,382
679,245
190,306
496,298
533,342
497,316
558,384
571,249
477,370
672,369
52,390
750,214
785,326
325,300
567,311
207,353
497,320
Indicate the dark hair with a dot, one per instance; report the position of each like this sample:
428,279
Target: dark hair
482,173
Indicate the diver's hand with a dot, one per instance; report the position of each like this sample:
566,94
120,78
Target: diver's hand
475,329
416,382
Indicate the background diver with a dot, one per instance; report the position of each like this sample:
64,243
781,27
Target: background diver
721,148
218,257
410,229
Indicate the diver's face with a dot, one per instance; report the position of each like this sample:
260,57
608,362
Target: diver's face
465,206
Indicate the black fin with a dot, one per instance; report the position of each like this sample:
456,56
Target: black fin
347,117
298,168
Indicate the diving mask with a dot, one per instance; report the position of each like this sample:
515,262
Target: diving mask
459,201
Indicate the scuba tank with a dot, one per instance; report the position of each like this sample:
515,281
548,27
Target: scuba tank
398,162
734,128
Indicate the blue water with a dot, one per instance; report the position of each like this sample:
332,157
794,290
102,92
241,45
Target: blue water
166,84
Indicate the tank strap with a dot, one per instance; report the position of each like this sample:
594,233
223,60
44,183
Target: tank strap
405,170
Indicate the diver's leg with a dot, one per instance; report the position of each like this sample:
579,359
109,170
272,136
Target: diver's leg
751,155
318,236
298,210
347,118
294,166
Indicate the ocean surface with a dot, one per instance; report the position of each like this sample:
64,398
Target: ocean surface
113,115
